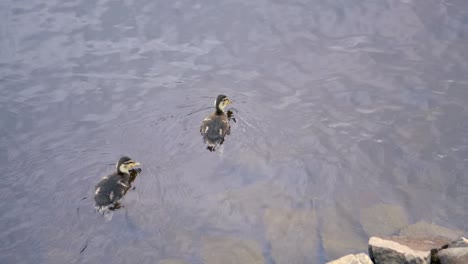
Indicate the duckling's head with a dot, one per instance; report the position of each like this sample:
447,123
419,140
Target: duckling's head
125,164
221,102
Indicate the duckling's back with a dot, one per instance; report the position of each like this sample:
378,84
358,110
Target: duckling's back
111,189
214,128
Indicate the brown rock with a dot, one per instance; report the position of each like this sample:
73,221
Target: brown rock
244,206
292,235
383,219
172,261
424,229
228,250
339,235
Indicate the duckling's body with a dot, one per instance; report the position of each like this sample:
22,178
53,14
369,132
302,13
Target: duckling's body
216,126
111,189
114,186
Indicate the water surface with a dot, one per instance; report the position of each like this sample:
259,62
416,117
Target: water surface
346,110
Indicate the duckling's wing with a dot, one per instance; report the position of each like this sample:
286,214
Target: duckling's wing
215,129
109,190
206,124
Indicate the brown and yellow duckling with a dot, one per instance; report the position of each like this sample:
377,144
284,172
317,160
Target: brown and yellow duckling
216,126
114,186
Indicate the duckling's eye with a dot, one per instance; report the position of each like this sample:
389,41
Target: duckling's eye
127,163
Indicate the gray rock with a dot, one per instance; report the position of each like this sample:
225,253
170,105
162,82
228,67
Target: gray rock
453,256
424,229
229,250
292,235
385,251
383,219
455,252
353,259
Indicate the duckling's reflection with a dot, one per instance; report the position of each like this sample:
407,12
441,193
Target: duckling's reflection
216,126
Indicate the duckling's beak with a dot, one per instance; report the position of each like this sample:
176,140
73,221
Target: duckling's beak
135,164
229,101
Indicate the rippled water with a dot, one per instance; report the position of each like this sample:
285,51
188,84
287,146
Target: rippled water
344,107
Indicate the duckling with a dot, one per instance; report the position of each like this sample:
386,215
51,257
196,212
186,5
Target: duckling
114,186
216,126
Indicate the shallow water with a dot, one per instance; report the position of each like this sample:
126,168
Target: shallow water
344,108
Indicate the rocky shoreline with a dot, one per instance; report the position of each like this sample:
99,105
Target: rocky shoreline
297,235
410,250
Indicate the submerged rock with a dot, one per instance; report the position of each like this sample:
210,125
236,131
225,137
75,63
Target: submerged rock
243,207
339,235
228,250
292,235
383,219
459,243
353,259
172,261
424,229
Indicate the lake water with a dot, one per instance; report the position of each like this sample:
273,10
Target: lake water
352,121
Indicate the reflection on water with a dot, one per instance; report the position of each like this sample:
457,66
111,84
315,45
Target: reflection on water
349,112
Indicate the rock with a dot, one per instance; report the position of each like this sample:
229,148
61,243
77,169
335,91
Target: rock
424,229
383,219
419,243
244,207
172,261
455,252
292,235
228,250
399,251
435,256
453,256
460,243
424,244
339,235
353,259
